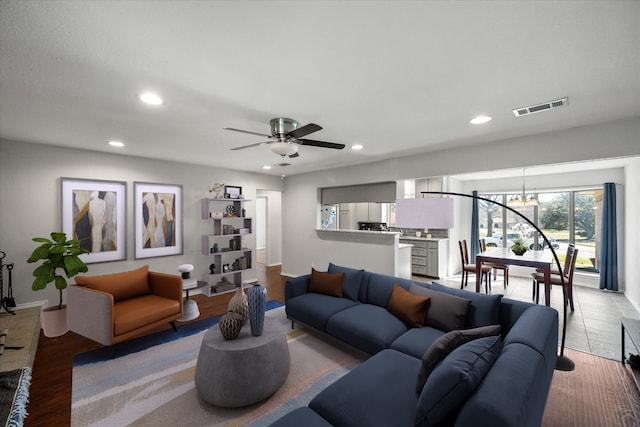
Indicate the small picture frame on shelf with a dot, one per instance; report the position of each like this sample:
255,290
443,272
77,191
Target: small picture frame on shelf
233,192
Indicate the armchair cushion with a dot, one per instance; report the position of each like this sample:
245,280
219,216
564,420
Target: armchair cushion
122,286
134,313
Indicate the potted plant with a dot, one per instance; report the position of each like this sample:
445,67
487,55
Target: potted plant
519,245
57,253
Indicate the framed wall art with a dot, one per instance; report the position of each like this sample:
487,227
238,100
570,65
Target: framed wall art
93,212
158,219
232,192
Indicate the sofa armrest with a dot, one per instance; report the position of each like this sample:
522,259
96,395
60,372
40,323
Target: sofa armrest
296,286
90,313
166,285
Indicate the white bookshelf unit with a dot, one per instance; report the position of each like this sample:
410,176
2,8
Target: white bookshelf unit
226,246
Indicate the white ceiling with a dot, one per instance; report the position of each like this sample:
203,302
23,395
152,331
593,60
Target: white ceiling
399,77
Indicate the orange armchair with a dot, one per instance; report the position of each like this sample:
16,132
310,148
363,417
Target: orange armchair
117,307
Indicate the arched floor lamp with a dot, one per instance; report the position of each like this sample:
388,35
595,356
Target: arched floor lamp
563,363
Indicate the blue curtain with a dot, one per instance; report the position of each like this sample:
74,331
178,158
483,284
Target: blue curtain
609,240
474,246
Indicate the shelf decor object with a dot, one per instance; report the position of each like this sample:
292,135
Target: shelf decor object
93,211
158,219
257,300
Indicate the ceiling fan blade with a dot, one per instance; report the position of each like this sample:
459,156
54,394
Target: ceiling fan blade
304,130
294,155
322,144
249,132
249,146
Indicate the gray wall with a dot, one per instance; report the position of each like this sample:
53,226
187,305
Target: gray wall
30,194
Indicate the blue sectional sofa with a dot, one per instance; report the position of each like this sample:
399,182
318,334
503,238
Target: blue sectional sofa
499,379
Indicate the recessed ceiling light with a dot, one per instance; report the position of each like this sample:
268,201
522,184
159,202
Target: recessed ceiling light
357,147
116,143
267,167
478,120
150,98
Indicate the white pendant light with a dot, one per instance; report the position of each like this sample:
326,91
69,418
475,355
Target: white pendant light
284,148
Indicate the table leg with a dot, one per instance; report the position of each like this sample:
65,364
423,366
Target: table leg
622,328
547,286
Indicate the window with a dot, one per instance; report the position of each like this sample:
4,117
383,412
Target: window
564,217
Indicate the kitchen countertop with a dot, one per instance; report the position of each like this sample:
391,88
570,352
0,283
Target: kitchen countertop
422,238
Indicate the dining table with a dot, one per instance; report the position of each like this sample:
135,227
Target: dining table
541,260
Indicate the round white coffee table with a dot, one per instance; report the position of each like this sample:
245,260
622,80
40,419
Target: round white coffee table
243,371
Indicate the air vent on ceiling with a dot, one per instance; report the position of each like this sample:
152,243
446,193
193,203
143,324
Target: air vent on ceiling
283,164
546,106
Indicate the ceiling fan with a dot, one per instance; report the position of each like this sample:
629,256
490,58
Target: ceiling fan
286,137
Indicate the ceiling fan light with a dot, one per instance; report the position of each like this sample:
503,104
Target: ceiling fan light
284,149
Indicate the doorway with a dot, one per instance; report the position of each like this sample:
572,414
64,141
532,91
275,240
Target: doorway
268,227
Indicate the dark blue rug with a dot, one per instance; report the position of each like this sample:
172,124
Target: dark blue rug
142,343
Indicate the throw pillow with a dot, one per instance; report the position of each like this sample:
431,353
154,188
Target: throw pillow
455,379
122,285
446,312
326,283
484,309
445,344
408,307
351,282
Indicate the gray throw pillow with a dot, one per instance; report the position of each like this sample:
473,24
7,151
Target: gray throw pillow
445,312
445,344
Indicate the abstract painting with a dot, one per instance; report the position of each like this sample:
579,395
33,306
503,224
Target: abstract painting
93,212
158,219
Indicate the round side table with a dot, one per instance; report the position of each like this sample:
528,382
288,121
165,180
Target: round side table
243,371
190,309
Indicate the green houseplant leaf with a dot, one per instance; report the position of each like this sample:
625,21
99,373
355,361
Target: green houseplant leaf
58,253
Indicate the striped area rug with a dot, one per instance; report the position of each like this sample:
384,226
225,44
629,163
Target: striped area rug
155,386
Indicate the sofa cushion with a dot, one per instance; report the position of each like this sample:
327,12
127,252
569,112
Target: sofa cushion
315,309
304,416
408,306
416,341
122,285
380,286
352,280
133,313
366,326
445,312
484,309
455,379
376,393
445,344
326,283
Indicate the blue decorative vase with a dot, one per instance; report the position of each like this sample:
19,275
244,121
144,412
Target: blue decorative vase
257,301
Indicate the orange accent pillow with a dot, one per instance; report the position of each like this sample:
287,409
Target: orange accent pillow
326,283
407,306
122,286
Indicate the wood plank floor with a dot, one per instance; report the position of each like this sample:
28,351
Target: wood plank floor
50,391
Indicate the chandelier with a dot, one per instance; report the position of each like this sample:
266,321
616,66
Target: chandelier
523,199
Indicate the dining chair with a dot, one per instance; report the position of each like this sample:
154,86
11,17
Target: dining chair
566,279
471,268
496,266
554,270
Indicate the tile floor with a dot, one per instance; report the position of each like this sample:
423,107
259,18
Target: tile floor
593,327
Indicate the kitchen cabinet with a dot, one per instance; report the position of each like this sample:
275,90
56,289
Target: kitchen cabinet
428,256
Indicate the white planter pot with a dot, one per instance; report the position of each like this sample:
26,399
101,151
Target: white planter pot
54,321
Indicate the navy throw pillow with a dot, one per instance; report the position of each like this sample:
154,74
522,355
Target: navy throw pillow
455,379
351,282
